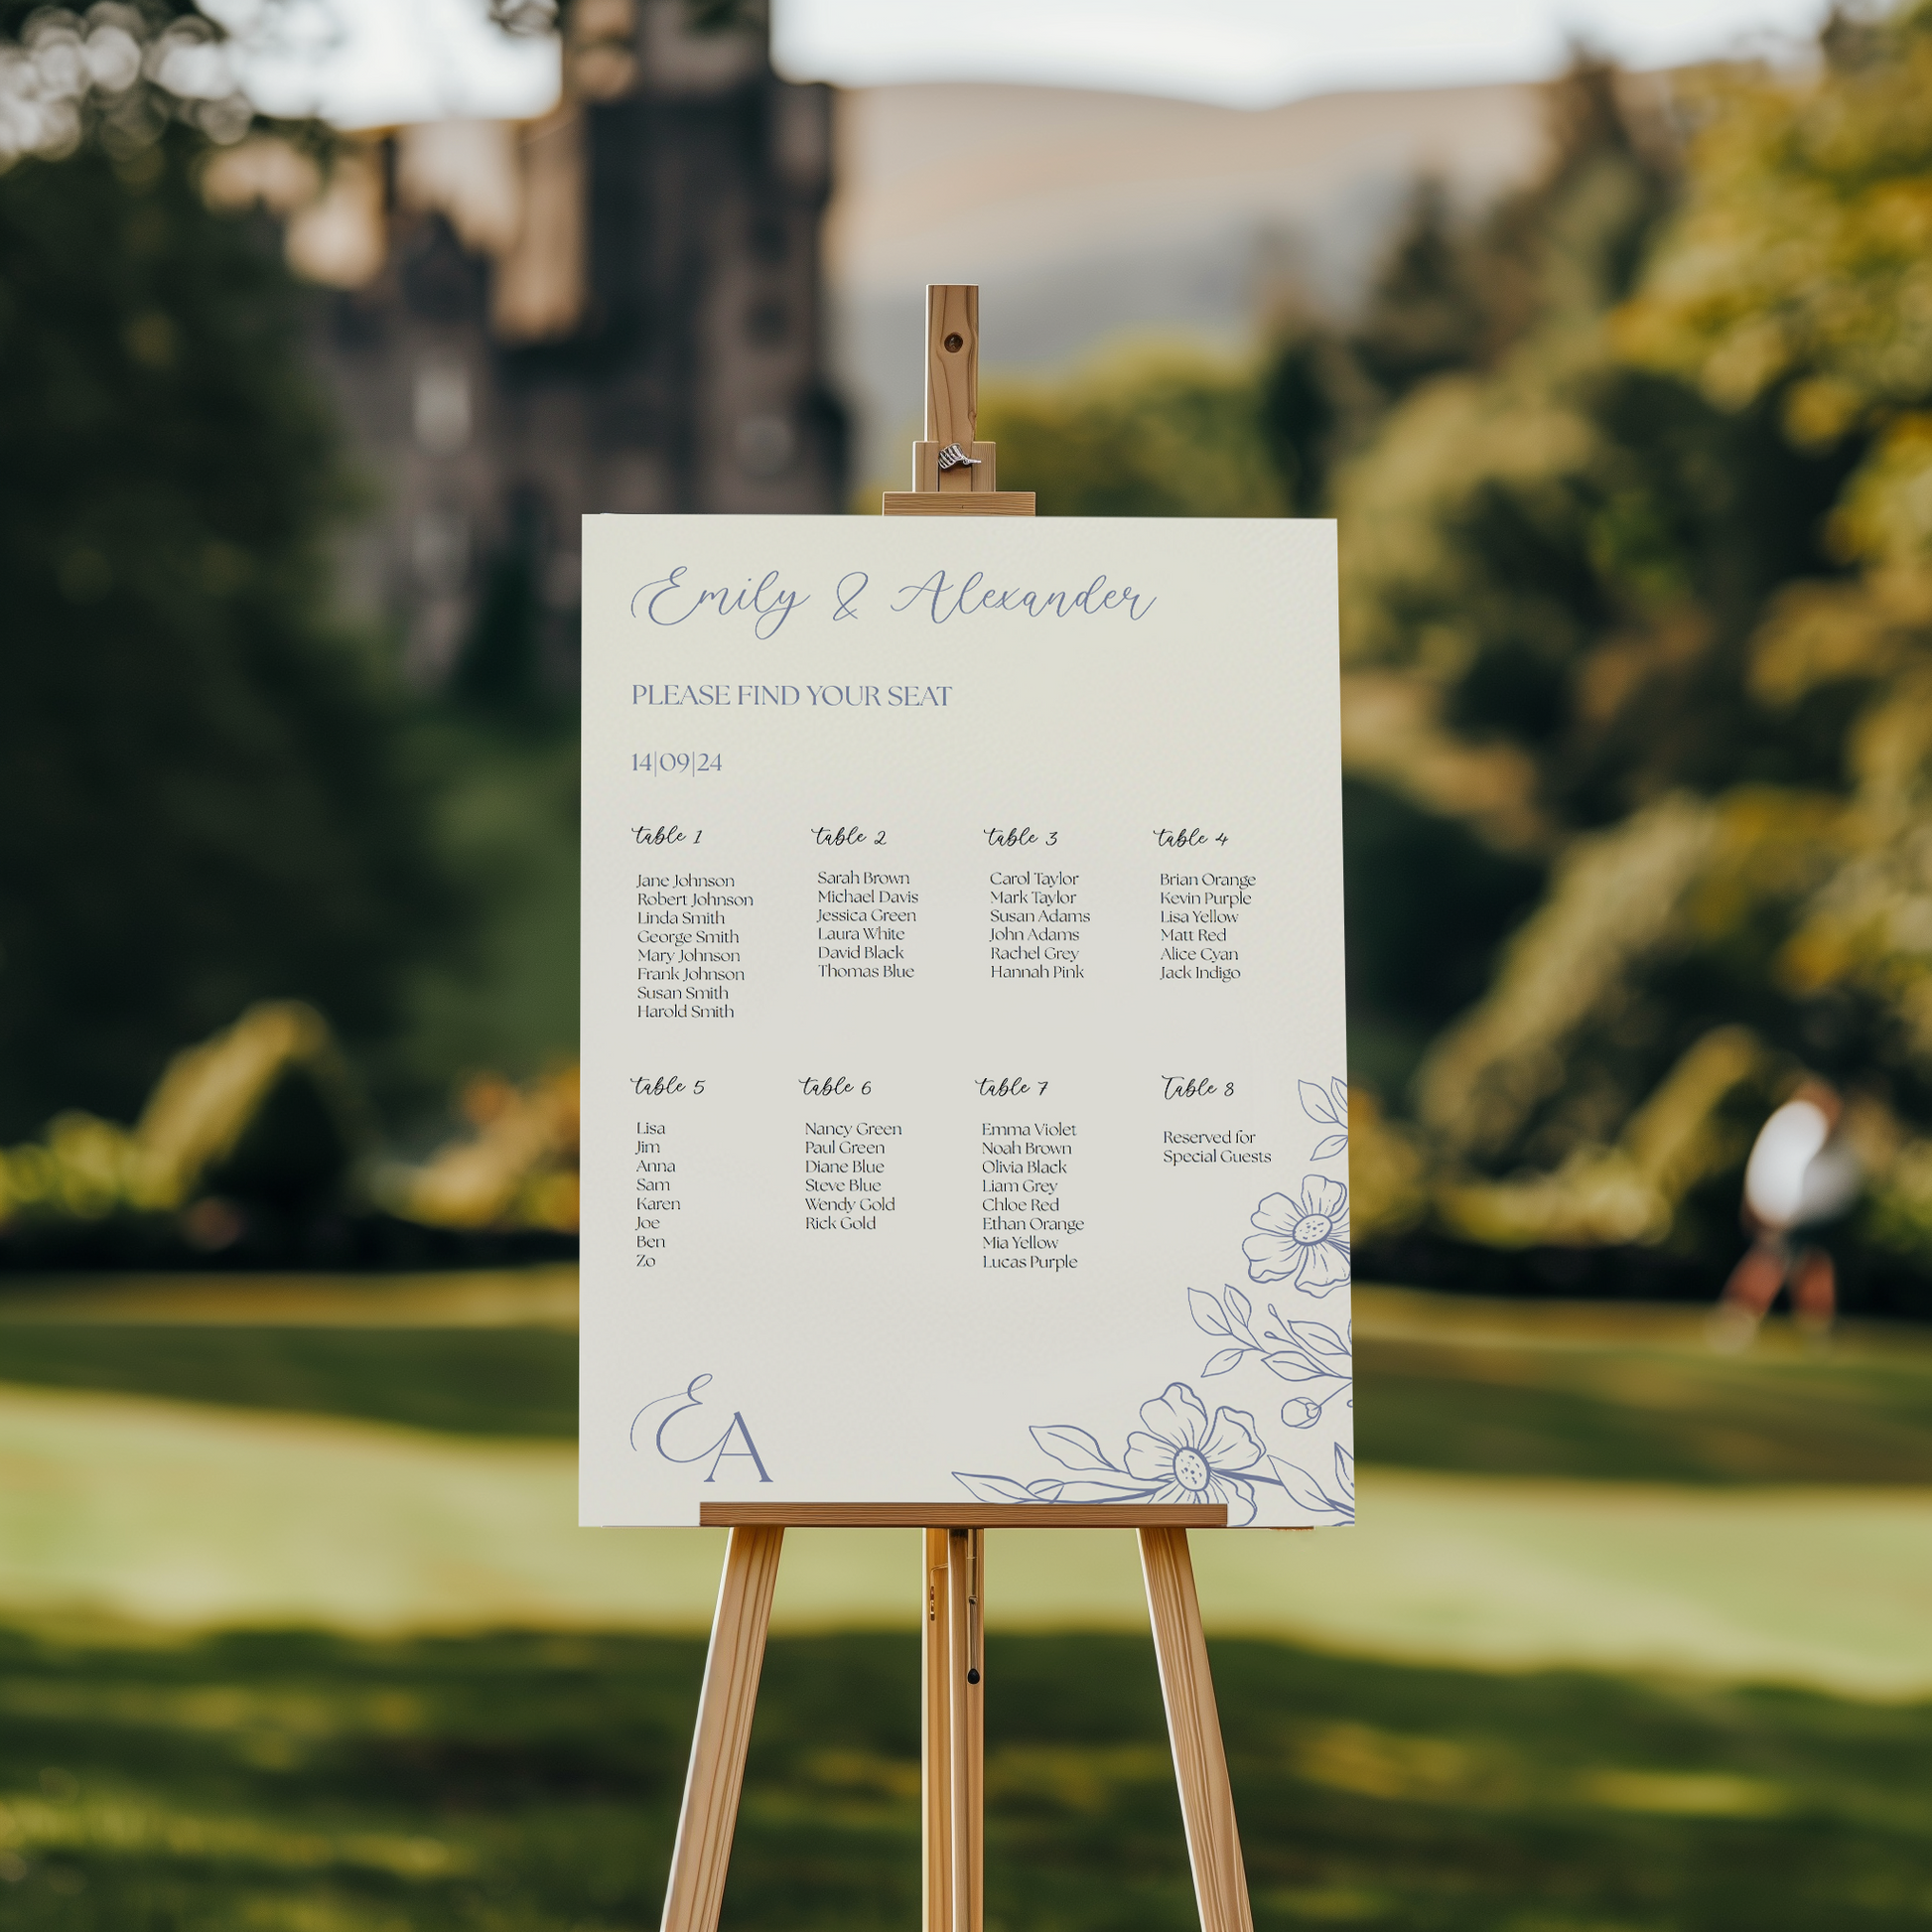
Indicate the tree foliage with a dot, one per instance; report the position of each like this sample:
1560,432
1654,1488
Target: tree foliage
1632,472
1665,563
1154,433
200,803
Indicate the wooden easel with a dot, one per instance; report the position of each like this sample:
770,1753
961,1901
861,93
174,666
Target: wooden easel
954,1776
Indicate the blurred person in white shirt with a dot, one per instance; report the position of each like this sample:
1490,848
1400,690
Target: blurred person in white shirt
1801,1176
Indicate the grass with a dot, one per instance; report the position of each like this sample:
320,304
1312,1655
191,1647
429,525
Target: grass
529,1781
1500,1407
1473,1388
513,1782
466,1381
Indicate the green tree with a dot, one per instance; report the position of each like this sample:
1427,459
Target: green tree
200,803
1427,312
1159,432
1660,577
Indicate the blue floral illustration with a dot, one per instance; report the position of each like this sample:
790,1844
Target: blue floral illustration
1302,1239
1194,1459
1335,1498
1329,1106
1181,1454
1309,1352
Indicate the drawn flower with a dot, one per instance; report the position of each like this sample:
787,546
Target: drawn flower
1302,1239
1190,1459
1298,1411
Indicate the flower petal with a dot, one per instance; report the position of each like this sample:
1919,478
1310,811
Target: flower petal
1323,1266
1231,1443
1271,1257
1275,1214
1148,1458
1239,1497
1321,1195
1177,1415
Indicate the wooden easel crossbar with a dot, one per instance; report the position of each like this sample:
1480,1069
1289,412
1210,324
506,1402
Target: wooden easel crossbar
953,1752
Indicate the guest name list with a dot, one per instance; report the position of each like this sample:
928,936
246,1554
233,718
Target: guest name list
961,937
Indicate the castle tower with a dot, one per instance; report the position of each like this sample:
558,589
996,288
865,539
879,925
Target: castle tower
616,308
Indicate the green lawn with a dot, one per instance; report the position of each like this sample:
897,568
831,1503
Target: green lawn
519,1782
1465,1386
527,1782
466,1380
1657,1414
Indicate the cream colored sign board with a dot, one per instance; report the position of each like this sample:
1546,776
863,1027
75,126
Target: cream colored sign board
964,1097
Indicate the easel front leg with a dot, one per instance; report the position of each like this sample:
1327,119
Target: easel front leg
695,1892
1200,1763
966,1561
954,1776
935,1710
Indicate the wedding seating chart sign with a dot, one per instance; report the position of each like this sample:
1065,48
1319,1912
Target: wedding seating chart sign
964,1104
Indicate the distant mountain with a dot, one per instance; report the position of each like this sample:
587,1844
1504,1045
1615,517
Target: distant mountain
1086,215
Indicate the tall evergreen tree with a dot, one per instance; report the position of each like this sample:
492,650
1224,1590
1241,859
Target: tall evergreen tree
200,801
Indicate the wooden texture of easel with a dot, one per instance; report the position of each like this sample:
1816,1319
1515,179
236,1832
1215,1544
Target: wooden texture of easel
954,1571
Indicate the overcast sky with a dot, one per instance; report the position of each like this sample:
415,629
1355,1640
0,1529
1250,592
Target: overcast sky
1255,52
371,62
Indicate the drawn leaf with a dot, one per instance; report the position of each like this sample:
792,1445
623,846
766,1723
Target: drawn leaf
1325,1149
1207,1311
1317,1338
1301,1487
1072,1447
1345,1470
994,1489
1339,1088
1046,1490
1105,1492
1294,1366
1220,1364
1315,1102
1239,1306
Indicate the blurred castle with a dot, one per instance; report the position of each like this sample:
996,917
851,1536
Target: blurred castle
614,308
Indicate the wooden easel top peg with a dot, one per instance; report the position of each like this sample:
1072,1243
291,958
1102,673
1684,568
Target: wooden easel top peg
953,472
